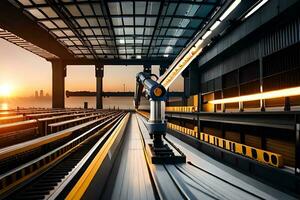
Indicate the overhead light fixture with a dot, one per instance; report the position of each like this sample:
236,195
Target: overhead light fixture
206,35
122,41
166,55
264,95
230,9
260,4
138,57
198,43
215,25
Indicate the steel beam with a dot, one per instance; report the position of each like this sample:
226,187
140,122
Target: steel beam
85,61
15,21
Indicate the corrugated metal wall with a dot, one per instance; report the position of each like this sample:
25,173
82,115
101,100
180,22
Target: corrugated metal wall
285,37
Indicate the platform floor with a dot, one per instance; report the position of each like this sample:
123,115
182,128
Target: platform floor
202,178
130,177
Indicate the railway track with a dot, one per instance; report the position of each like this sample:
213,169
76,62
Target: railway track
44,184
191,181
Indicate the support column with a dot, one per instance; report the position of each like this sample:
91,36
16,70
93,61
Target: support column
58,84
297,146
99,85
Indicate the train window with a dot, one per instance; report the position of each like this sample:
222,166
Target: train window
274,159
244,150
266,157
233,147
254,153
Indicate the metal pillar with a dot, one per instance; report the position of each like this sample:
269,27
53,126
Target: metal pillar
99,85
297,146
58,84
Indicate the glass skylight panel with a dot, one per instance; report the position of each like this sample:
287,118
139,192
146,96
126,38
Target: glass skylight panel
118,31
82,22
101,41
49,12
36,13
140,7
97,31
97,8
128,31
173,41
150,21
68,42
88,31
105,31
163,31
149,31
195,23
171,8
130,51
166,21
92,21
138,50
140,21
204,11
69,33
77,42
102,21
60,23
94,42
128,21
188,33
89,56
187,9
122,50
25,2
153,8
139,41
58,33
73,10
99,51
48,24
139,31
114,8
146,42
157,43
129,41
127,7
86,9
106,51
166,41
39,1
117,21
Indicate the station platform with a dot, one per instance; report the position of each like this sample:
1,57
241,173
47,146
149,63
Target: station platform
201,177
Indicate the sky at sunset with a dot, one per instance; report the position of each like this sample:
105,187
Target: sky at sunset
25,72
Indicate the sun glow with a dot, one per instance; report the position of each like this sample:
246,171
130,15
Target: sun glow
5,90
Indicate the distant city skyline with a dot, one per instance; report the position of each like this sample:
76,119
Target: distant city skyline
24,71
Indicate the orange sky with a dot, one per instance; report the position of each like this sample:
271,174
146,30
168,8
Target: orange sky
26,72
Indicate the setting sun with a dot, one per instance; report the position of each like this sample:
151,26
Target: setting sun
5,90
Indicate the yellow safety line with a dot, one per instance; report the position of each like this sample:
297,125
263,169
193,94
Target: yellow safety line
85,180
